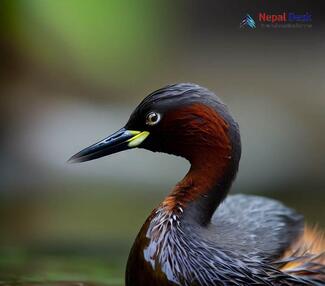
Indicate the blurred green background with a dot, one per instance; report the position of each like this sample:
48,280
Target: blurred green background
72,72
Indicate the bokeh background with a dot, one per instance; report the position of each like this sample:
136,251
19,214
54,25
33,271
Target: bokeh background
72,72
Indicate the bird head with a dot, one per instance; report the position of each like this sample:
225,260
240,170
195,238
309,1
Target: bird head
182,119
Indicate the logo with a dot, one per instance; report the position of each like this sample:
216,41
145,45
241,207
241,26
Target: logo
248,21
277,20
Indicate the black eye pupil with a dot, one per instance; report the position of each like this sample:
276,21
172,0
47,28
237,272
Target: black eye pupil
154,117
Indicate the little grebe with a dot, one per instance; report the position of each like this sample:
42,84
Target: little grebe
248,240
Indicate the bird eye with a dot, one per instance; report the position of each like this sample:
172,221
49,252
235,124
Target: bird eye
152,118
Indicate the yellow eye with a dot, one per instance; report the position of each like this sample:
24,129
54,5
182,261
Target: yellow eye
152,118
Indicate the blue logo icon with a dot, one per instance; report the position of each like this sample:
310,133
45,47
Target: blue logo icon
248,21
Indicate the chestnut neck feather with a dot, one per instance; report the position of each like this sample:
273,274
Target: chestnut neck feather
210,154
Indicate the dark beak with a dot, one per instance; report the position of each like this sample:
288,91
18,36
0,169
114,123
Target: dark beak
117,142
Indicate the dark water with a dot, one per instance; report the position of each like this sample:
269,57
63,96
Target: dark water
79,239
27,268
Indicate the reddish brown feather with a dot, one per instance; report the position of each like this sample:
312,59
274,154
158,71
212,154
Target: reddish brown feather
306,256
209,150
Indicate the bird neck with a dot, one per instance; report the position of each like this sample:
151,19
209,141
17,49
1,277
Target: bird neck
206,184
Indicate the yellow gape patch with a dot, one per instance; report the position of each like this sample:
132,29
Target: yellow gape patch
138,138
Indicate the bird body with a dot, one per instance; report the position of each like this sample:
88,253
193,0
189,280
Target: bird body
236,248
197,236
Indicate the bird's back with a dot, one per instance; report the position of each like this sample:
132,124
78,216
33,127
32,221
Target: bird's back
256,226
267,230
